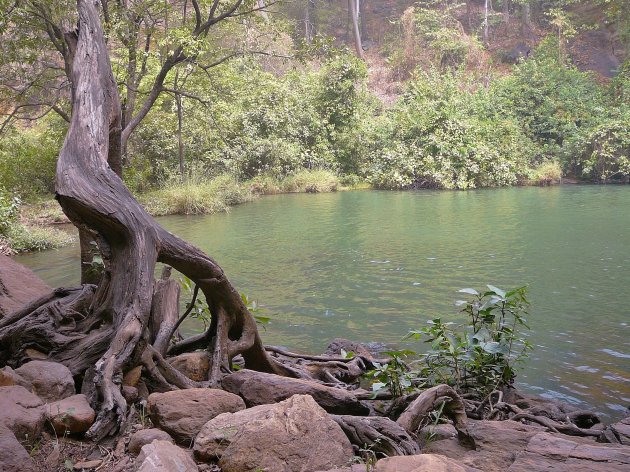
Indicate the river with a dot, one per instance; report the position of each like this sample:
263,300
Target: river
372,265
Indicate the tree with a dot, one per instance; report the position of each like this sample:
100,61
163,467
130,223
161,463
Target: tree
98,331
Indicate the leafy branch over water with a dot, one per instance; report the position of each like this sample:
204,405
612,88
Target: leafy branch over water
479,356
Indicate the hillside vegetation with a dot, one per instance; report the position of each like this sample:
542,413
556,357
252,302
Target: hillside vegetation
433,94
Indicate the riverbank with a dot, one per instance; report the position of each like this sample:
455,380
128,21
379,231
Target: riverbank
40,223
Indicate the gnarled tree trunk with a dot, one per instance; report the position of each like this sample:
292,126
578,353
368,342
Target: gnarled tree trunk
95,199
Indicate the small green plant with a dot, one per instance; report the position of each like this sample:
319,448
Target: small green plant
481,356
394,376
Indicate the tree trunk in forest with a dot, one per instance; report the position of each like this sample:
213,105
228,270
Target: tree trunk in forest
356,32
95,199
526,20
506,11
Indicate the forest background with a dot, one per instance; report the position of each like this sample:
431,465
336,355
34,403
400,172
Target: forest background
315,95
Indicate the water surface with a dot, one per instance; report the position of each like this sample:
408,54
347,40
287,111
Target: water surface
372,265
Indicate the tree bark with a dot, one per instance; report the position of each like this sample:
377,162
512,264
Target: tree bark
356,32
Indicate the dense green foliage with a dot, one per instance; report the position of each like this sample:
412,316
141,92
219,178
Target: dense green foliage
282,115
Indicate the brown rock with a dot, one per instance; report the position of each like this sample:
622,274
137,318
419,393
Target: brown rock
84,465
421,463
163,456
146,436
13,456
70,415
194,365
132,377
617,433
51,381
293,435
258,388
21,411
9,377
130,393
18,286
182,413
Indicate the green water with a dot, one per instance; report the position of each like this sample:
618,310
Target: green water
372,265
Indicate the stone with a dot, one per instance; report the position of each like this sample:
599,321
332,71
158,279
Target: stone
146,436
70,415
515,447
293,435
21,411
18,286
617,433
497,443
84,465
163,456
194,365
51,381
130,394
421,463
182,413
13,456
259,388
9,377
132,377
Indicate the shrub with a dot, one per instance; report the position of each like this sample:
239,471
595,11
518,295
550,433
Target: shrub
546,173
197,197
312,181
28,158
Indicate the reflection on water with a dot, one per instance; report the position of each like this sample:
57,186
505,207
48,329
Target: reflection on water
372,265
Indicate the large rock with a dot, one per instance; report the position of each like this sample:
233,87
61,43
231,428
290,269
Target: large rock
21,411
194,365
163,456
141,438
182,413
617,433
18,286
290,436
70,415
497,443
13,456
421,463
259,388
51,381
509,445
547,451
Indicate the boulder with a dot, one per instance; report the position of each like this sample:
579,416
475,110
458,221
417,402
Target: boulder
70,415
164,456
546,451
421,463
510,445
617,433
18,286
21,411
259,388
13,456
293,435
194,365
51,381
497,443
182,413
141,438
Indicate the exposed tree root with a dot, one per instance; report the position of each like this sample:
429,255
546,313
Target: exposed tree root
381,436
438,397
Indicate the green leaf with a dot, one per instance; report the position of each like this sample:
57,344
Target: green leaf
470,291
496,290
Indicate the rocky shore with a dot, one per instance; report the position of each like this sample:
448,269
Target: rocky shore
256,421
